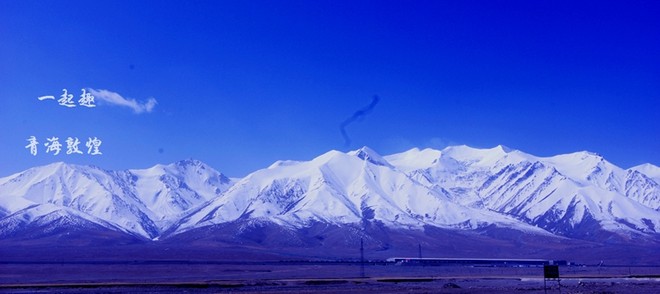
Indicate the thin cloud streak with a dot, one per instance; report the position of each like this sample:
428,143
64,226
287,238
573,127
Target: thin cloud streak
116,99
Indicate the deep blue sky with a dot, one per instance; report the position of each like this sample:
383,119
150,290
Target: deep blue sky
240,84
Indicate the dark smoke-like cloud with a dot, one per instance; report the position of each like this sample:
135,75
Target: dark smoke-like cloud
361,113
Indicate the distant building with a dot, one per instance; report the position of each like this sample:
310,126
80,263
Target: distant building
474,261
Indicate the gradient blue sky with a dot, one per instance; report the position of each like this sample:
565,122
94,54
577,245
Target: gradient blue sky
240,84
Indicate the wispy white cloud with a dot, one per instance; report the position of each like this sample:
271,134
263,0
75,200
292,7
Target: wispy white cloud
116,99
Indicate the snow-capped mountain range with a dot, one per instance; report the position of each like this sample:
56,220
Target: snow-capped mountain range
578,195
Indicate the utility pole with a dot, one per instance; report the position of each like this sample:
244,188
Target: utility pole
362,257
420,251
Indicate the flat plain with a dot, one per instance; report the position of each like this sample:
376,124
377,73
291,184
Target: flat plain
315,277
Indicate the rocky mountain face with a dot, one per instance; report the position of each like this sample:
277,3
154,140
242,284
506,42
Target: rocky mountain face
337,198
138,202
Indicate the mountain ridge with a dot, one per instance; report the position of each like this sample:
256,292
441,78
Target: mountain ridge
576,196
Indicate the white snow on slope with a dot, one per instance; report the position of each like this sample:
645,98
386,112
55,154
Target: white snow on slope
553,192
143,202
649,170
458,187
342,188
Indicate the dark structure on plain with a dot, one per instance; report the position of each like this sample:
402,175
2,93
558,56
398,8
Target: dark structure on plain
472,261
550,272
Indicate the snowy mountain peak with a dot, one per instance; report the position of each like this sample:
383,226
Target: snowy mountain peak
504,149
467,151
188,162
581,157
325,157
460,187
415,159
368,154
646,167
650,170
279,163
58,167
587,166
143,202
477,157
55,165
